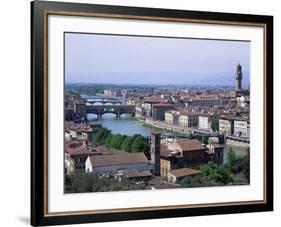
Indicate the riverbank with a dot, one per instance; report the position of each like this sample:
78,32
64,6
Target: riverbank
148,124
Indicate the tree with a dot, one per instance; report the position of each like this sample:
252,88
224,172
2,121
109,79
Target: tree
126,144
139,144
231,157
116,141
80,182
215,123
100,136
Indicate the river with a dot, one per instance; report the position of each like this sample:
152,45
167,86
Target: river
126,126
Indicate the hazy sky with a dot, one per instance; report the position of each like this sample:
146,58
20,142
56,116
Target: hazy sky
149,60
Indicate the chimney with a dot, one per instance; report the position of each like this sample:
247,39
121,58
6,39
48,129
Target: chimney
155,152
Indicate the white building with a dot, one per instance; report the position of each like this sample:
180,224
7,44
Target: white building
204,121
172,117
242,128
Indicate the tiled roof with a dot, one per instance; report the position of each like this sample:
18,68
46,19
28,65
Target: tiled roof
190,145
184,172
118,159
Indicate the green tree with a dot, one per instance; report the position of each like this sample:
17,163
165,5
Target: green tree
139,145
126,144
100,136
215,123
231,157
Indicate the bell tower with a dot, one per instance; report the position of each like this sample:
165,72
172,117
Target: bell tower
155,152
238,77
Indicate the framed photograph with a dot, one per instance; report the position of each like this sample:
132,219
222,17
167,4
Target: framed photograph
141,113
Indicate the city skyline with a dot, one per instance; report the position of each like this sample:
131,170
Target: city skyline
108,59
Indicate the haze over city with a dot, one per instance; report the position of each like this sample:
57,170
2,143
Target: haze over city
91,58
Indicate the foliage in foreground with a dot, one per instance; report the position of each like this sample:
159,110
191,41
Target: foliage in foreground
236,171
80,181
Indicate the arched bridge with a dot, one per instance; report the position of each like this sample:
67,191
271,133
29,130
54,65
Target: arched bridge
81,109
104,102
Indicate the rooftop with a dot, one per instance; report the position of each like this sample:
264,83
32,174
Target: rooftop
185,172
190,145
118,159
135,173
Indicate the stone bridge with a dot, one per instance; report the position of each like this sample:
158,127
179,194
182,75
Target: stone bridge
82,109
105,102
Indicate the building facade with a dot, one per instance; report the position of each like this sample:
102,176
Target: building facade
241,128
226,125
204,122
188,119
158,111
172,117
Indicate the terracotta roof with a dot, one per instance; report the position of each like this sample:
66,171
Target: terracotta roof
77,148
190,145
184,172
186,113
117,159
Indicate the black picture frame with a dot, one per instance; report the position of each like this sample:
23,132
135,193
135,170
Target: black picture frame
39,111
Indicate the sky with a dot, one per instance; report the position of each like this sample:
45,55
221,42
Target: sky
94,58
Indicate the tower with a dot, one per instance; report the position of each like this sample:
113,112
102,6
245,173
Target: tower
238,77
155,152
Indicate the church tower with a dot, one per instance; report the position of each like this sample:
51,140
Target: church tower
238,78
155,152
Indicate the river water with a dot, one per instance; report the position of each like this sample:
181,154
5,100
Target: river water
126,126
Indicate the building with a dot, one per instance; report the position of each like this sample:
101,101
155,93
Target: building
172,117
80,108
192,151
203,101
147,105
158,111
188,119
155,152
178,174
161,183
109,164
242,128
169,160
238,77
95,126
133,175
112,92
69,165
204,121
226,125
78,151
68,113
215,152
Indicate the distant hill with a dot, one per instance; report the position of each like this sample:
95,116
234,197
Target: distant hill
188,78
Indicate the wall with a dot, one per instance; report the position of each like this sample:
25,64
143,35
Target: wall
15,97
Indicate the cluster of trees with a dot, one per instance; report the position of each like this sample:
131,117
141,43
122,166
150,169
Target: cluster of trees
80,181
135,143
236,171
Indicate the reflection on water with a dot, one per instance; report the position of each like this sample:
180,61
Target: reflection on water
124,126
